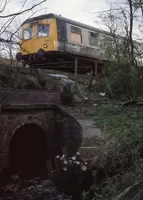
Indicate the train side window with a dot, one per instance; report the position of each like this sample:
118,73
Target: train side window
76,34
43,30
93,38
27,33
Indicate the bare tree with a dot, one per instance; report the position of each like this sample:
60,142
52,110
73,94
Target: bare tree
125,19
131,18
121,47
138,5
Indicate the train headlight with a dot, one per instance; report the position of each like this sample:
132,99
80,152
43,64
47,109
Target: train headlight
23,49
45,46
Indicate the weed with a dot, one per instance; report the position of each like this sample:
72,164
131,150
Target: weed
121,156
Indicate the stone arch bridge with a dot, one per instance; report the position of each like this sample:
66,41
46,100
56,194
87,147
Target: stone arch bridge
31,134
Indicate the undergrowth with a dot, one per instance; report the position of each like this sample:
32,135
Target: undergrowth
121,156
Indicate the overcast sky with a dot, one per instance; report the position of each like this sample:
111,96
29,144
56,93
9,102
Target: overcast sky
84,11
80,10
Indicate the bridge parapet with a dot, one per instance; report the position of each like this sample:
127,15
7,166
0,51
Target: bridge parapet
23,96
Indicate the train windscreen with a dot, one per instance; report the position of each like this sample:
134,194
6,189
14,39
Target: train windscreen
27,33
43,30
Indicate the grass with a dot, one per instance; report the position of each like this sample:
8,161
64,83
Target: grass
92,141
121,157
123,123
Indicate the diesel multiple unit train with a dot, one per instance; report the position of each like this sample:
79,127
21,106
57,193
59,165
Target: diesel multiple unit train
49,39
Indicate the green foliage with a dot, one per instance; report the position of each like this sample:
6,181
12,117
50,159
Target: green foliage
13,78
78,90
18,80
118,183
124,123
121,156
121,75
122,82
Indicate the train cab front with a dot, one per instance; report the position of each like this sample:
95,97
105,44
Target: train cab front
38,39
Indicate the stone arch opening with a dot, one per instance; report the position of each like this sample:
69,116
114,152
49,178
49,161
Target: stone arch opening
28,151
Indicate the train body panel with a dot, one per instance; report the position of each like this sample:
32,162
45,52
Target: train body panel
41,34
60,39
62,35
78,43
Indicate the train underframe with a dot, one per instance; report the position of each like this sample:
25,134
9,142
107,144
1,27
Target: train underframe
58,61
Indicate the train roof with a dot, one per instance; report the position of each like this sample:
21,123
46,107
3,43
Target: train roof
51,15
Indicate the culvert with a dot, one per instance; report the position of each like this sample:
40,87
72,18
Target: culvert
28,150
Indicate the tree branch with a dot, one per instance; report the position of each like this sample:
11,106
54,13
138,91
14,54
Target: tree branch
22,12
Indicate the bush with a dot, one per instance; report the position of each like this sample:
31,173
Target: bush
121,157
122,82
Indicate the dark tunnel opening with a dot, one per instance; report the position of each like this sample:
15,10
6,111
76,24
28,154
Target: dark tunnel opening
28,151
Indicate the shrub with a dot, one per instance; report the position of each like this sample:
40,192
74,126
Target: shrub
121,156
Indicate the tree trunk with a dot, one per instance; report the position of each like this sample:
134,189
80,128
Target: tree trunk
131,30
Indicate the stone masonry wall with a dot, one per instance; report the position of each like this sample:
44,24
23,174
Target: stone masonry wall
23,96
59,128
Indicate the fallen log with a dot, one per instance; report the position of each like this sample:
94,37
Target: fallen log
129,102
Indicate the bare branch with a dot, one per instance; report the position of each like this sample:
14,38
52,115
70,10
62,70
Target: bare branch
6,2
14,33
22,12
